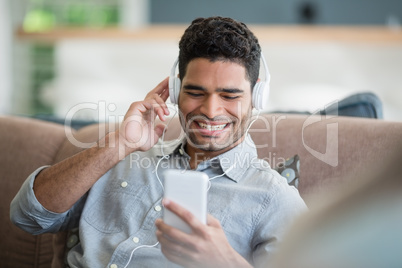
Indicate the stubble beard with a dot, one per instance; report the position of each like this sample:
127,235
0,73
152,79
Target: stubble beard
237,131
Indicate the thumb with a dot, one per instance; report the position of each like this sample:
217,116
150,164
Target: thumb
159,131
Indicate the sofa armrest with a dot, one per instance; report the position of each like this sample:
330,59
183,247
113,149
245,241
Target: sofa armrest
25,144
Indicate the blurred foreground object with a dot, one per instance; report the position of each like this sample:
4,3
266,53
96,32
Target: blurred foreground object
359,226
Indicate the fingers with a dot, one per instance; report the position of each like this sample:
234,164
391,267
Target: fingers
174,243
170,233
212,221
161,108
183,213
203,246
174,234
158,97
195,224
153,102
158,132
138,130
162,89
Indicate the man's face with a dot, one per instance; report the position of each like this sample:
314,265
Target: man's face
215,104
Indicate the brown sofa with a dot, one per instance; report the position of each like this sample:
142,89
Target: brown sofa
329,149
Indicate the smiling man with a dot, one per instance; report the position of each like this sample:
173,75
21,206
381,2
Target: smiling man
215,106
117,205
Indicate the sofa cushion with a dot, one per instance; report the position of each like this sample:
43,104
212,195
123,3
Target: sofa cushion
364,104
290,170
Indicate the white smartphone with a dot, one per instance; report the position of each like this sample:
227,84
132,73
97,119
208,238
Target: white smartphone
187,188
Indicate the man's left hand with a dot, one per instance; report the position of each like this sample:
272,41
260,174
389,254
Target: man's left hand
205,246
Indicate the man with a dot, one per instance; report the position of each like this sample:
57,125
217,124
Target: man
117,204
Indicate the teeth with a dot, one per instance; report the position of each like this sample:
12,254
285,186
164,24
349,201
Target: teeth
212,128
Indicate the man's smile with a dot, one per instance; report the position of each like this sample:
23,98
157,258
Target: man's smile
212,127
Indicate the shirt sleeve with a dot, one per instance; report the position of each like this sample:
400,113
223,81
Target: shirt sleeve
283,208
28,214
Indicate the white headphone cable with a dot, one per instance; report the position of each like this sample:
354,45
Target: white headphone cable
162,152
143,246
160,182
232,166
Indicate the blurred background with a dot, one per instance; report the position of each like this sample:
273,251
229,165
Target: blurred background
92,58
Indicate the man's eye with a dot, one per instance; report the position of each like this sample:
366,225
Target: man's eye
194,94
230,97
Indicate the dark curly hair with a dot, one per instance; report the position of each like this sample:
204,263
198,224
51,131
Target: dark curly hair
220,39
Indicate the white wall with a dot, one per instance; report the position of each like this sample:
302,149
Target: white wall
305,76
5,56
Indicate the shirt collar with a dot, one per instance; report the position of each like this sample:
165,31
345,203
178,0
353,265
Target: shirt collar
173,148
234,163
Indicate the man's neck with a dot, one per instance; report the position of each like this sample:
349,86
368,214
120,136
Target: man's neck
198,155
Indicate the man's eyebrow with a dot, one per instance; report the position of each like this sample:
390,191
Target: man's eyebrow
224,90
193,87
230,90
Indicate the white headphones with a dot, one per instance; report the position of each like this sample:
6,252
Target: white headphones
260,90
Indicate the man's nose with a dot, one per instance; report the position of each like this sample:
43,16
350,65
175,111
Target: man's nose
211,106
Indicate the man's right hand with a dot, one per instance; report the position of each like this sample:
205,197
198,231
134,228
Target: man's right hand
60,186
138,131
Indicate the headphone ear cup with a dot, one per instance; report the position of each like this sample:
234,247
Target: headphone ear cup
260,95
261,89
177,84
174,89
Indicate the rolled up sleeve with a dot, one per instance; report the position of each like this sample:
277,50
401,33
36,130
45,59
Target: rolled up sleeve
28,214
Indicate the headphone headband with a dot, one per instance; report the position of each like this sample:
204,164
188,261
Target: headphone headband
260,91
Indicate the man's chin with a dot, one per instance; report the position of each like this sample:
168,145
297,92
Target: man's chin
209,149
211,144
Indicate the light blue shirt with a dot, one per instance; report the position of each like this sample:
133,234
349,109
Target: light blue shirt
116,218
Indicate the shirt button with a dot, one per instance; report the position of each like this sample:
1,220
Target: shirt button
72,241
124,184
158,208
136,240
181,151
113,266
